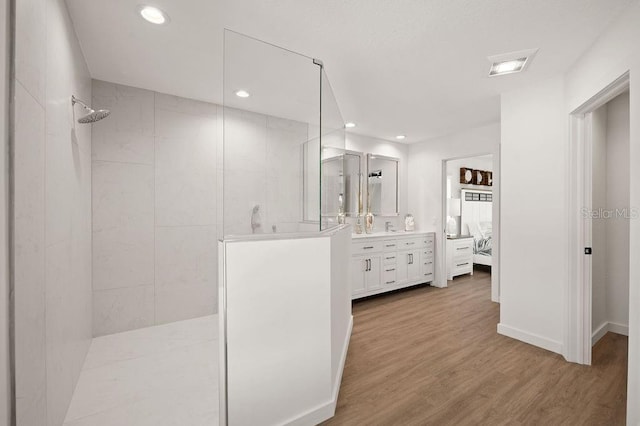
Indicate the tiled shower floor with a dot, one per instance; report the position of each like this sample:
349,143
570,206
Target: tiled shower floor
156,376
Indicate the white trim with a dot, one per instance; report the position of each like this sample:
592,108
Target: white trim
577,328
607,327
599,333
614,327
327,410
532,339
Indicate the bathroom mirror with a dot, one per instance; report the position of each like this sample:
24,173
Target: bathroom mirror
340,172
382,185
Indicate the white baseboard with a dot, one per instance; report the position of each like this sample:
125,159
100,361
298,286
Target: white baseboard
617,328
530,338
328,409
613,327
599,333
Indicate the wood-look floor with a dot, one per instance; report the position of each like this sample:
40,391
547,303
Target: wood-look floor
430,356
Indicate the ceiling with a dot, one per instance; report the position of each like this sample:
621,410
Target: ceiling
414,67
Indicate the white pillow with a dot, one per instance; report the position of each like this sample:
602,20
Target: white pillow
474,230
486,228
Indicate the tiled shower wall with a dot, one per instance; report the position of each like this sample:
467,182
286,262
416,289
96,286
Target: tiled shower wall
156,219
52,212
154,209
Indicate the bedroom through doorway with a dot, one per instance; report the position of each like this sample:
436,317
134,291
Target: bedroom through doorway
468,208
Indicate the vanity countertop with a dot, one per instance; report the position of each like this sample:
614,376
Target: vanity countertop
387,234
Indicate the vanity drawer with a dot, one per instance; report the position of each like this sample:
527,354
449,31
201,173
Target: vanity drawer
427,276
363,247
426,253
390,245
427,262
411,243
389,276
389,258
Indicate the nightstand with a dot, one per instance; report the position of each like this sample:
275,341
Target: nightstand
459,256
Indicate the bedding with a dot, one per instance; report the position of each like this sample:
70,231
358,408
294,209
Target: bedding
482,246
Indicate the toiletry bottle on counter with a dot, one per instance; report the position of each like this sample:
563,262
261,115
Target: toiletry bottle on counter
409,223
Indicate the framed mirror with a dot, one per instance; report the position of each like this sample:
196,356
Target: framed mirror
382,185
341,183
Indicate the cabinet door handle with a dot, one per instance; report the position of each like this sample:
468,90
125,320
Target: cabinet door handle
462,264
430,273
411,243
390,282
390,245
389,270
367,247
463,248
390,257
367,261
369,264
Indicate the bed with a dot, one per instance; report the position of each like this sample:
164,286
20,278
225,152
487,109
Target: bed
476,220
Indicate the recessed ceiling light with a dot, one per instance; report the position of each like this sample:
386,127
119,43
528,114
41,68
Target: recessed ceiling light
400,137
350,125
153,14
509,63
507,67
242,94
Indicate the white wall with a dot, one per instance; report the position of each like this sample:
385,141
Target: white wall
154,209
262,166
615,52
425,173
369,145
533,217
5,396
52,212
484,163
599,227
156,217
617,231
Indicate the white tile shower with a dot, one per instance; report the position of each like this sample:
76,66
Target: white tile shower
165,375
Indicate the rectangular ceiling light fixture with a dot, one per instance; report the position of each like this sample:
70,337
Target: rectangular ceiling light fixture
509,63
508,67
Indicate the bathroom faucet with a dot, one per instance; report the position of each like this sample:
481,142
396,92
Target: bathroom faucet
387,226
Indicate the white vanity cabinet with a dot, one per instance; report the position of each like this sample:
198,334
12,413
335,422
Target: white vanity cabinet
389,261
365,266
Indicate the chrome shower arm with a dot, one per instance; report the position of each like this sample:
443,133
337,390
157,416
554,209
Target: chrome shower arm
75,100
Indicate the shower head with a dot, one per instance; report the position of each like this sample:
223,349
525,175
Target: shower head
92,116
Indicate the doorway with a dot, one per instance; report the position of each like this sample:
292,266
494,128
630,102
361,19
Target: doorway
608,218
471,218
598,301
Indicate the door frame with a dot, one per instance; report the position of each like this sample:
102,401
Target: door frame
495,267
577,332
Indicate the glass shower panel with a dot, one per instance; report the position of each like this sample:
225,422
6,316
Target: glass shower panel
271,139
332,150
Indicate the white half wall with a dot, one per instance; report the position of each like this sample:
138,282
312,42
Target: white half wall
425,185
286,319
